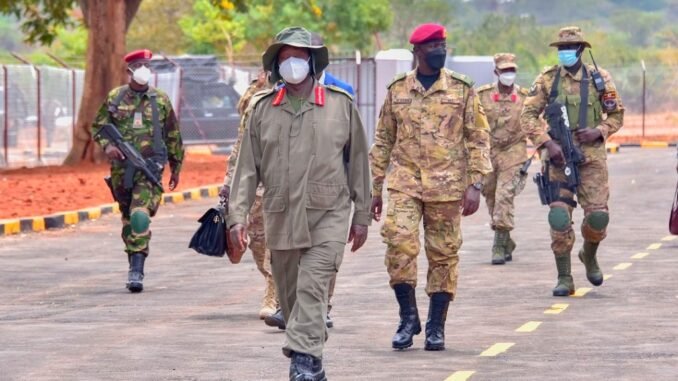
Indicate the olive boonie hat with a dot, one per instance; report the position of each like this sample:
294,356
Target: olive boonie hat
301,38
570,35
505,61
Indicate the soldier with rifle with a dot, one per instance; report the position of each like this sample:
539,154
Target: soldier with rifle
138,130
582,109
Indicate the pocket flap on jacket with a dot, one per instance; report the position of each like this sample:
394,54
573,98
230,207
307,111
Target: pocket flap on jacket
274,204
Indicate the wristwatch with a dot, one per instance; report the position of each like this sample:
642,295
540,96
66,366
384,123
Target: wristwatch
478,186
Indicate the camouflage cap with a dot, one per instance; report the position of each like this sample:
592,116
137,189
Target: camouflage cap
570,35
301,38
505,61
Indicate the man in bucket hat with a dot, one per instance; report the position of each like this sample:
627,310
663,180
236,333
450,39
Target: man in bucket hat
593,121
503,102
305,143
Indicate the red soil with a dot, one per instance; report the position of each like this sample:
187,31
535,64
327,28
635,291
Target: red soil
28,192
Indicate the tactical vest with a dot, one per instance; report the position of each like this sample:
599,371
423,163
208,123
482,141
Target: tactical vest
573,102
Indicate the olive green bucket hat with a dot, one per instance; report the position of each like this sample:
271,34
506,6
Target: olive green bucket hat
301,38
570,35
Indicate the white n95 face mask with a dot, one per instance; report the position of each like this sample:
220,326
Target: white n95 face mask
294,70
141,75
507,79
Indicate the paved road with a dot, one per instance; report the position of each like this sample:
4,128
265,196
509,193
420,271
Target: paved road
65,315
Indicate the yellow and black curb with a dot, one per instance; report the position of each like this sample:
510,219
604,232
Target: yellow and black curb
63,219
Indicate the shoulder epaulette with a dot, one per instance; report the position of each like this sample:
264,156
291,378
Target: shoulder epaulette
485,87
398,77
549,69
339,90
259,95
461,77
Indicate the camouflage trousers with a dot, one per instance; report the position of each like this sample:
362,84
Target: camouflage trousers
500,189
592,195
442,240
144,197
257,244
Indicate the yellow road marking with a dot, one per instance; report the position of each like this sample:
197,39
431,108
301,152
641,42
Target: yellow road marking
461,375
71,218
213,191
556,308
12,227
116,207
623,266
529,326
177,197
580,292
195,194
654,246
38,224
640,255
496,349
669,238
607,276
94,213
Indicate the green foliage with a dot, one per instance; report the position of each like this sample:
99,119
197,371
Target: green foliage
155,26
251,25
41,19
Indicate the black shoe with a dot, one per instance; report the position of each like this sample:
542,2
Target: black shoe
135,276
328,322
409,317
435,325
305,367
276,320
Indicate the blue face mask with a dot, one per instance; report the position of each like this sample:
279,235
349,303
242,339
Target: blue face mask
568,57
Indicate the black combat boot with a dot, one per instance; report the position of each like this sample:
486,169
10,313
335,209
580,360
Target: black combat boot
305,367
135,276
276,320
435,325
587,255
409,316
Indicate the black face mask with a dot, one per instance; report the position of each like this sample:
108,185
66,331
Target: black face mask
436,58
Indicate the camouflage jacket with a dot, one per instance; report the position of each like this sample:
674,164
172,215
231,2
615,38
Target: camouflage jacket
243,104
507,140
141,135
436,141
605,111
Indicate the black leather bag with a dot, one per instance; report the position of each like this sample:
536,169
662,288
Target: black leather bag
211,237
673,219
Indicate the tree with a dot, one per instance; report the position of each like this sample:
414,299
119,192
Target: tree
107,22
155,26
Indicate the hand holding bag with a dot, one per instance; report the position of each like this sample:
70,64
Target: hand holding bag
673,219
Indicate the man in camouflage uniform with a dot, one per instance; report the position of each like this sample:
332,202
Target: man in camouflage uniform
255,220
433,133
503,102
145,118
603,117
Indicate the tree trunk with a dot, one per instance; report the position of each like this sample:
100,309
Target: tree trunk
107,22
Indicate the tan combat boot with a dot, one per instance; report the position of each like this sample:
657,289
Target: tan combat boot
510,247
270,302
565,285
499,247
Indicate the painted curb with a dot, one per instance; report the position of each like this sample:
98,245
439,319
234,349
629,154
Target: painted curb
64,219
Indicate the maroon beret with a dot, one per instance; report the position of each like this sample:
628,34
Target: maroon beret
427,32
141,54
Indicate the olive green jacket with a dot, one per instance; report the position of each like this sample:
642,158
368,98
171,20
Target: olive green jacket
312,164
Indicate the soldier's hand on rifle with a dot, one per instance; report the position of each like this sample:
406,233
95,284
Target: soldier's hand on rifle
588,135
555,153
471,201
238,235
174,181
377,204
113,153
357,235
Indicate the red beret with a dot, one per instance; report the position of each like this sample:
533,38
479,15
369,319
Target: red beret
141,54
427,32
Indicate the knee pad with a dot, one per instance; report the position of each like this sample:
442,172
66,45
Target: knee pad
559,219
139,221
594,226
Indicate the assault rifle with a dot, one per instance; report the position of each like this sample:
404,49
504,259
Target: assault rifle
133,160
